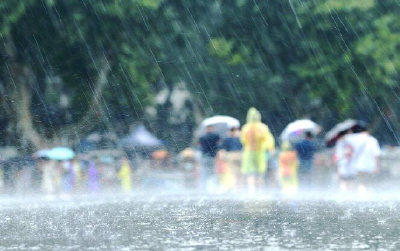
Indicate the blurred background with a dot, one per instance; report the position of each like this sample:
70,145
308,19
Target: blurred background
110,80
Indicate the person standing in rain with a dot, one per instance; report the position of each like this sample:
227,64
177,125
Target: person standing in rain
48,176
72,175
125,176
93,177
231,149
288,166
208,147
346,172
306,149
76,169
364,155
256,139
68,177
7,176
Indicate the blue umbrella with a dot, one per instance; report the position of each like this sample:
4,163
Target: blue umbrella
61,153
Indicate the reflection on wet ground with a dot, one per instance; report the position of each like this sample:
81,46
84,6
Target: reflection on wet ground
194,222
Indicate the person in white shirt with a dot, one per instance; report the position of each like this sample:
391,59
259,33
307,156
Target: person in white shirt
364,155
346,172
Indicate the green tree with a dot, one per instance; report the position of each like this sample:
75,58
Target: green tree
97,53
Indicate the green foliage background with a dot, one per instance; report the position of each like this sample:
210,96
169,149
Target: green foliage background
327,59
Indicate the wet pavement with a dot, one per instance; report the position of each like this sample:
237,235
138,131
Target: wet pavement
194,222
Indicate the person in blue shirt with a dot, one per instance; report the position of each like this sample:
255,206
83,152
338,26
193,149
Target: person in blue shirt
232,150
306,149
209,143
232,142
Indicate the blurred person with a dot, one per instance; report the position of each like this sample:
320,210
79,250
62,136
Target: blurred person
346,172
306,149
58,171
125,176
161,159
15,173
67,176
93,178
48,175
231,150
23,166
189,164
72,175
271,176
364,155
223,173
256,139
76,168
8,175
108,171
36,175
187,158
287,169
208,146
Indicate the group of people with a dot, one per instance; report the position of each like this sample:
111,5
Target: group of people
296,164
244,159
357,156
240,160
73,176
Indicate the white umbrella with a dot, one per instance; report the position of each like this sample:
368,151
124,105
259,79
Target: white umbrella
229,121
221,123
296,129
333,134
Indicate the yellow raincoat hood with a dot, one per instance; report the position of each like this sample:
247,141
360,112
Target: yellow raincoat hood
253,116
256,135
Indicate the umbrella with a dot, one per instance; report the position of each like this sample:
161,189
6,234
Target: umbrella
221,124
333,135
229,121
296,129
44,153
61,153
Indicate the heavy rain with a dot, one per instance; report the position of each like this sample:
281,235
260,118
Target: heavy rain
199,125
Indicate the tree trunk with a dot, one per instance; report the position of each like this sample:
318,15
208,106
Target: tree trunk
19,90
25,125
20,95
95,111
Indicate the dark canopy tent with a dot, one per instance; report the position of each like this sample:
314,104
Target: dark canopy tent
140,137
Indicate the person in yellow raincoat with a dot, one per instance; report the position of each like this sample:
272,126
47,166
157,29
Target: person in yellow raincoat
288,165
257,140
125,176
